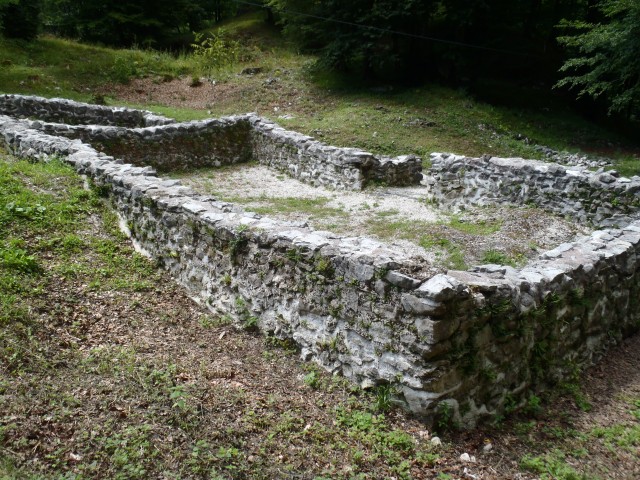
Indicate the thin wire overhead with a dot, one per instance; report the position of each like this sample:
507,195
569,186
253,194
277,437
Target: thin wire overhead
394,32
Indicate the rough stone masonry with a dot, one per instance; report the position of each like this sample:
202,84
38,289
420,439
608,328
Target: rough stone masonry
144,139
462,345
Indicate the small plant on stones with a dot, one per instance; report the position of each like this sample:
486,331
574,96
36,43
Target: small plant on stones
444,415
239,241
534,405
251,323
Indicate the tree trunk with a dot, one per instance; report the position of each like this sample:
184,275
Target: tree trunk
270,18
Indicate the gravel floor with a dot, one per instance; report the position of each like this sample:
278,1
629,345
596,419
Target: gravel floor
399,216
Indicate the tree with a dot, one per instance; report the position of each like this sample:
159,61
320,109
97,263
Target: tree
20,18
357,35
605,61
423,38
124,23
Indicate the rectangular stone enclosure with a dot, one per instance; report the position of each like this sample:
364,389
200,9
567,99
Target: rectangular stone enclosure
465,344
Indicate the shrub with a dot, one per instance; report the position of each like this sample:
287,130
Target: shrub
216,50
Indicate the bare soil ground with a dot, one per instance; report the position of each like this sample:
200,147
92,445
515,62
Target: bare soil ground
178,93
280,94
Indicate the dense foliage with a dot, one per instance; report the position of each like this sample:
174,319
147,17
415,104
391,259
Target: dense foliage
143,22
446,37
457,41
372,50
462,40
20,18
605,61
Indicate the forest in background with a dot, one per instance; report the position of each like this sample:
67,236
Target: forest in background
585,50
108,371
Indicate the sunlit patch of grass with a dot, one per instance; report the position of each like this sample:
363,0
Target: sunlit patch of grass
498,258
482,227
628,165
52,66
552,466
316,207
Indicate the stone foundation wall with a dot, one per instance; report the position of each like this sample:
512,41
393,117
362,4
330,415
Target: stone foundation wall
465,345
179,146
316,163
604,199
167,145
65,111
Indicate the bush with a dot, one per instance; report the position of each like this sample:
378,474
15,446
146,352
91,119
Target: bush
215,51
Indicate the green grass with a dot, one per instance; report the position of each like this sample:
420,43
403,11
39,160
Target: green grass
552,466
482,227
498,258
39,204
51,67
565,452
331,107
287,205
619,436
451,255
627,164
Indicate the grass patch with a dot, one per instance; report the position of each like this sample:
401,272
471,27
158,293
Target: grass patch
619,436
482,227
17,259
316,207
552,466
52,66
627,165
450,254
498,258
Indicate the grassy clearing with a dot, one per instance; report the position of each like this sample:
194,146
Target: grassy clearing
289,89
51,67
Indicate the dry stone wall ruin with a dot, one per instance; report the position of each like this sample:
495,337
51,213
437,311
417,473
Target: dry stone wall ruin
604,199
69,112
466,345
145,139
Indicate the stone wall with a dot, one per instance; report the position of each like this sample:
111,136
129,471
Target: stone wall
178,146
75,113
604,199
316,163
462,345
